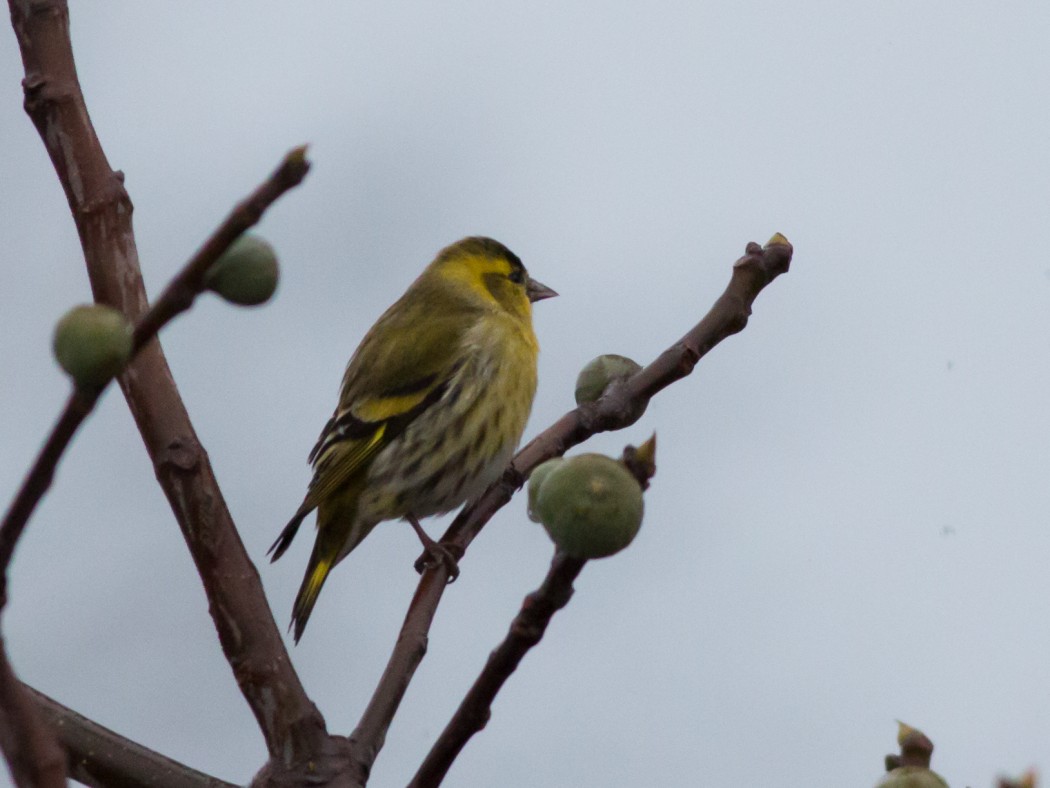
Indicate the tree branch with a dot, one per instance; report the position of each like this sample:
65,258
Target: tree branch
97,756
39,478
525,632
29,745
181,292
620,406
292,726
177,297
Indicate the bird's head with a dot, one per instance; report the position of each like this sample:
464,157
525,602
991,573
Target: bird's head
492,273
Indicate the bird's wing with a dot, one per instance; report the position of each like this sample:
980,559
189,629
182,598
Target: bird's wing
404,365
398,372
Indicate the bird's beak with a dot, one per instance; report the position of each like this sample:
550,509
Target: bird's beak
537,291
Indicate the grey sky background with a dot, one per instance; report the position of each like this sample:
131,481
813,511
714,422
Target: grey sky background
848,524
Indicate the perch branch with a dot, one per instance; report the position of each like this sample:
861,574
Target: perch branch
291,725
620,406
526,631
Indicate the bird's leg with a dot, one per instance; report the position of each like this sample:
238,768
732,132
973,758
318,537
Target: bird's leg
433,551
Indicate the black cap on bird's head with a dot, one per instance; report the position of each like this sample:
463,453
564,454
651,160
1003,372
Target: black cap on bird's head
481,247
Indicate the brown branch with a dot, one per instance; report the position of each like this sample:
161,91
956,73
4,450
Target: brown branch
177,297
292,726
39,478
525,632
623,403
97,756
620,406
28,743
180,293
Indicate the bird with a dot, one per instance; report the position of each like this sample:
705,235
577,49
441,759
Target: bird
431,407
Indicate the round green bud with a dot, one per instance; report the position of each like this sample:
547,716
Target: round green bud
246,273
599,373
590,505
92,343
536,479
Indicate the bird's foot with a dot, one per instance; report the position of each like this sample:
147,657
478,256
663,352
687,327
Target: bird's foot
435,553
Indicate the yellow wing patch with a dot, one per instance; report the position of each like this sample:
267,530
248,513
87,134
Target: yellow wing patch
340,461
383,408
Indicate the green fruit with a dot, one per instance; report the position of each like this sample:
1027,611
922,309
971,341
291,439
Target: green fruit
590,505
536,479
599,373
92,343
246,273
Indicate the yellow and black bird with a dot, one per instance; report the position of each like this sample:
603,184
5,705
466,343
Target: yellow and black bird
432,406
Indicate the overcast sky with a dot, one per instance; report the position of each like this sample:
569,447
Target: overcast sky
849,520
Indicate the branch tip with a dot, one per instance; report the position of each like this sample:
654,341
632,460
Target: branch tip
641,461
295,165
297,156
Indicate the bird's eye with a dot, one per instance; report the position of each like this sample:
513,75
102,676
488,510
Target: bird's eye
517,276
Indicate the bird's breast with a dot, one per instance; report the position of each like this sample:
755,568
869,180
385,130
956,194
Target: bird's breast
459,445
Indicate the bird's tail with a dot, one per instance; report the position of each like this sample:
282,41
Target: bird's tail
316,573
287,534
339,530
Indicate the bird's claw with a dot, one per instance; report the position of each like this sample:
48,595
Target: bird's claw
437,553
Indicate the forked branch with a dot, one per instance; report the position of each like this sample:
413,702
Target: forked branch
620,406
291,725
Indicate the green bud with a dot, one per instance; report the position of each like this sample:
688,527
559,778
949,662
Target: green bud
1029,779
599,373
912,777
911,769
246,273
536,479
92,343
590,505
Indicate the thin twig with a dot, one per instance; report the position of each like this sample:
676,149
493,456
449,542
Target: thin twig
97,756
39,478
180,293
525,632
620,406
292,726
177,297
